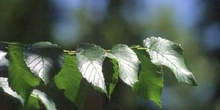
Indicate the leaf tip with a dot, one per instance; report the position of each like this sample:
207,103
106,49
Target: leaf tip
192,80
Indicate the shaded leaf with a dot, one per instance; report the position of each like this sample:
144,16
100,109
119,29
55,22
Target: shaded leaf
48,102
90,58
128,63
44,59
4,85
20,77
32,104
111,74
70,79
167,53
150,82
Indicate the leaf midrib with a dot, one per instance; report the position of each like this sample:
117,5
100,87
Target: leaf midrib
168,61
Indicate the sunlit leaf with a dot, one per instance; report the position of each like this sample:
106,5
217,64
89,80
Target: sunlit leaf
44,59
5,87
128,63
20,77
3,61
48,102
70,79
167,53
90,58
150,82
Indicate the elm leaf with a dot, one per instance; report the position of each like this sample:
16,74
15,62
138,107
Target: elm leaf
167,53
70,80
20,77
44,59
128,63
111,73
150,84
48,102
5,86
3,60
90,58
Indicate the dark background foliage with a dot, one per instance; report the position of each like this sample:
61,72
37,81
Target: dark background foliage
194,24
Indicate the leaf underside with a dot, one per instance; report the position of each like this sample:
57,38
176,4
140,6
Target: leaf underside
44,59
167,53
90,58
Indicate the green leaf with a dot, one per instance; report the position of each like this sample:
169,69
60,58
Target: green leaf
90,58
20,77
167,53
48,103
32,104
111,74
128,63
150,82
44,59
5,87
70,79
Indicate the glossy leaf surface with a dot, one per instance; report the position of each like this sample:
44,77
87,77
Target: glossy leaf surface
44,59
90,58
128,63
167,53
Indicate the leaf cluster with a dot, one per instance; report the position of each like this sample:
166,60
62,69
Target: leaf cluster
137,66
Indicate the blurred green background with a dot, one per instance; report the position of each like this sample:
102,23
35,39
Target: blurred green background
195,24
